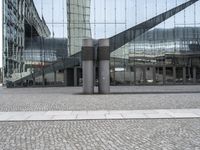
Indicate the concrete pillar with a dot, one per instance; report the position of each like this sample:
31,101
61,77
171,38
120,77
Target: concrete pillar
43,79
79,75
34,81
144,75
70,77
135,75
88,66
55,77
154,74
104,66
114,76
174,74
94,73
65,77
33,77
129,77
164,75
194,75
75,77
189,73
184,75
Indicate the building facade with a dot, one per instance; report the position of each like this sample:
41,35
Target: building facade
78,20
1,75
176,49
21,21
168,53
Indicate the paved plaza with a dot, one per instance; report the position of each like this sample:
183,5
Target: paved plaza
163,118
122,98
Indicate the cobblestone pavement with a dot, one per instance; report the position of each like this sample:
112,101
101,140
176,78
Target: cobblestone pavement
66,99
141,134
101,135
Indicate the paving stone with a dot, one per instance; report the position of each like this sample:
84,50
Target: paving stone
114,116
134,115
161,115
64,117
92,115
68,99
141,134
175,134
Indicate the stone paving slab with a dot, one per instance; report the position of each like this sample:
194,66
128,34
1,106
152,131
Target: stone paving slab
100,115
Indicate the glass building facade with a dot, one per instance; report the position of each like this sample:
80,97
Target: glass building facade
1,76
78,18
43,40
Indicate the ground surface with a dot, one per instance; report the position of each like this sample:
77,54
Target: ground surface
141,134
101,135
65,99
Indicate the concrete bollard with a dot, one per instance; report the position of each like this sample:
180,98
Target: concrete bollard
88,66
104,66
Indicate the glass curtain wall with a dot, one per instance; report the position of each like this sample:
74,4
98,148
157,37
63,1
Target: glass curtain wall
43,39
166,54
35,38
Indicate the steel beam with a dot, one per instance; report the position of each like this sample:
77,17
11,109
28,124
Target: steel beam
129,35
